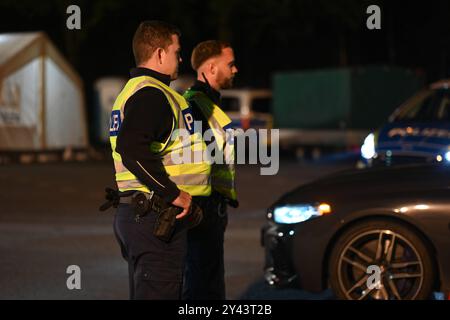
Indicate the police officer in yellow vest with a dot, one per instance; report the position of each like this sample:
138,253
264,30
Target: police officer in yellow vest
144,117
204,277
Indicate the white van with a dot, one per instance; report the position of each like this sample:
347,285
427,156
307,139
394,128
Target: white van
248,108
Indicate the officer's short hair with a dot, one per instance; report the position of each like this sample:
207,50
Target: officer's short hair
151,35
205,50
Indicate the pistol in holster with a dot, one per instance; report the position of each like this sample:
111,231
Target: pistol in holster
166,214
165,223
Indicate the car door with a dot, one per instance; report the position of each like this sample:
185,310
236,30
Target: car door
420,128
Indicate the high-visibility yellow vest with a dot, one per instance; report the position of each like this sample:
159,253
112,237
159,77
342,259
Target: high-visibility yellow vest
192,177
222,175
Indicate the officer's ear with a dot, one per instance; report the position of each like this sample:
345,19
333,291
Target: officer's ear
212,68
160,55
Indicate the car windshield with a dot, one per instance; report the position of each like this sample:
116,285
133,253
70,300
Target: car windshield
428,105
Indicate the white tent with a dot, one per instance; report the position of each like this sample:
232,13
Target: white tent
41,96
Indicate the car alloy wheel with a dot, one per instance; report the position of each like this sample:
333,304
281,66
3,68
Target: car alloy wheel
381,263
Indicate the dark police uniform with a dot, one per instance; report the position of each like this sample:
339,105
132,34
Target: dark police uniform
155,267
205,274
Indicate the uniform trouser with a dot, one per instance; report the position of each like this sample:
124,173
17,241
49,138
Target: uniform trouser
204,273
155,267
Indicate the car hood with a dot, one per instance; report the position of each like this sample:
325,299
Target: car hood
379,180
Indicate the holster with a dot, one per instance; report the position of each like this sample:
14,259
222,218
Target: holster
143,203
165,223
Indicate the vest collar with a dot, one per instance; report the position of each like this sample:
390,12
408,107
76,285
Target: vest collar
213,94
138,72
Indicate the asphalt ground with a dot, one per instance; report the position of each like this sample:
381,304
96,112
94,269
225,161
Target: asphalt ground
49,220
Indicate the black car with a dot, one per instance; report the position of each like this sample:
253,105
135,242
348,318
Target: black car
377,233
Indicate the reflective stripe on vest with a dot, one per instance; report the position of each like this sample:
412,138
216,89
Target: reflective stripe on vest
222,175
192,177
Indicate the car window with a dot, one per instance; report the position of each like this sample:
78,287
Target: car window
229,104
261,104
443,111
429,105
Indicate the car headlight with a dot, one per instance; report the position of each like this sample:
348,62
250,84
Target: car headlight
368,147
447,156
298,213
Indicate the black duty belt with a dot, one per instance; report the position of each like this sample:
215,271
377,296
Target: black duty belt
144,202
141,200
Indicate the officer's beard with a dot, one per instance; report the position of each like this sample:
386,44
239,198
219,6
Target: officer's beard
227,83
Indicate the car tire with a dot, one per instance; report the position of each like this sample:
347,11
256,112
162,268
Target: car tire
401,260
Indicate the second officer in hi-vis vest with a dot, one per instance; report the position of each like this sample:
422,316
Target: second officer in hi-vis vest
155,205
215,66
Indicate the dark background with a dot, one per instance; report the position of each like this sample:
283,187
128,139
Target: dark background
56,223
268,35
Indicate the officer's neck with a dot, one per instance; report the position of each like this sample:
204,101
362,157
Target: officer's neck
154,66
209,81
213,94
142,71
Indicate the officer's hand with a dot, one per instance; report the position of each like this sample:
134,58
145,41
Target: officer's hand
184,200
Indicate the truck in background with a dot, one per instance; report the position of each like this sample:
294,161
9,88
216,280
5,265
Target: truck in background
336,108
